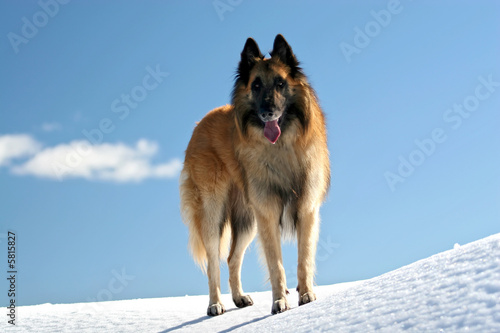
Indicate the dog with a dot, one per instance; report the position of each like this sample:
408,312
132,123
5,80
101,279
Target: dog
260,165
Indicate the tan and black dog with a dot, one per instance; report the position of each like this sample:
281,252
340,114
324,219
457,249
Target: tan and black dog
260,165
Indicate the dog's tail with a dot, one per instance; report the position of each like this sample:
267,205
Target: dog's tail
192,216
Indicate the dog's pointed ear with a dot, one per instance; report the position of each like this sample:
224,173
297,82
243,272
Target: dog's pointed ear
249,56
251,51
283,52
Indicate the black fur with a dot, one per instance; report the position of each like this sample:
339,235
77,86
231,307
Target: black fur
283,52
249,56
241,216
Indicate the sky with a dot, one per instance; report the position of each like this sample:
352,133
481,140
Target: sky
99,100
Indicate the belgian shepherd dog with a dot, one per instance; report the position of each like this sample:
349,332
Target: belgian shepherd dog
260,165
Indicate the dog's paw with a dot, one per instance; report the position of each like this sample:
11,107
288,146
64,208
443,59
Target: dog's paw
215,309
243,301
307,298
280,305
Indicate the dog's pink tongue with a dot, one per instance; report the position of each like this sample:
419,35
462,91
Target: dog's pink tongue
272,131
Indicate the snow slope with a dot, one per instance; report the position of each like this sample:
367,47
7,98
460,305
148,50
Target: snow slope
454,291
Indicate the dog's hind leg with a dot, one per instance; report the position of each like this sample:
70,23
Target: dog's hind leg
211,236
307,236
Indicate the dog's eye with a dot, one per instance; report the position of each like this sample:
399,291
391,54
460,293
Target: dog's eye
280,83
256,85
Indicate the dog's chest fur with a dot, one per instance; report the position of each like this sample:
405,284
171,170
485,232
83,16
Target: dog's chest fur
273,170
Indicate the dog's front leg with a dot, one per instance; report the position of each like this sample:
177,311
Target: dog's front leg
270,238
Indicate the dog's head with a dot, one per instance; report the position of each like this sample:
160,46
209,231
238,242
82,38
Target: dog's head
267,90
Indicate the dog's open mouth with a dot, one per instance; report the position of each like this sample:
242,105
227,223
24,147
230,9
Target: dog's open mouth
272,130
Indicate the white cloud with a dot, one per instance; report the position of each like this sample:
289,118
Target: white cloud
51,127
14,146
114,162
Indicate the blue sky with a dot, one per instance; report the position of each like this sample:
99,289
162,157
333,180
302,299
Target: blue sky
99,100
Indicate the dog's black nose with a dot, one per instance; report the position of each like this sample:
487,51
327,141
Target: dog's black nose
266,116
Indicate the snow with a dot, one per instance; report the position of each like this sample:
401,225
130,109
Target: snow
454,291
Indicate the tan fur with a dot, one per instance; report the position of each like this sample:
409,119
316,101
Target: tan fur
224,169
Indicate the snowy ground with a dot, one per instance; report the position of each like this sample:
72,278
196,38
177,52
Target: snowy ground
457,290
